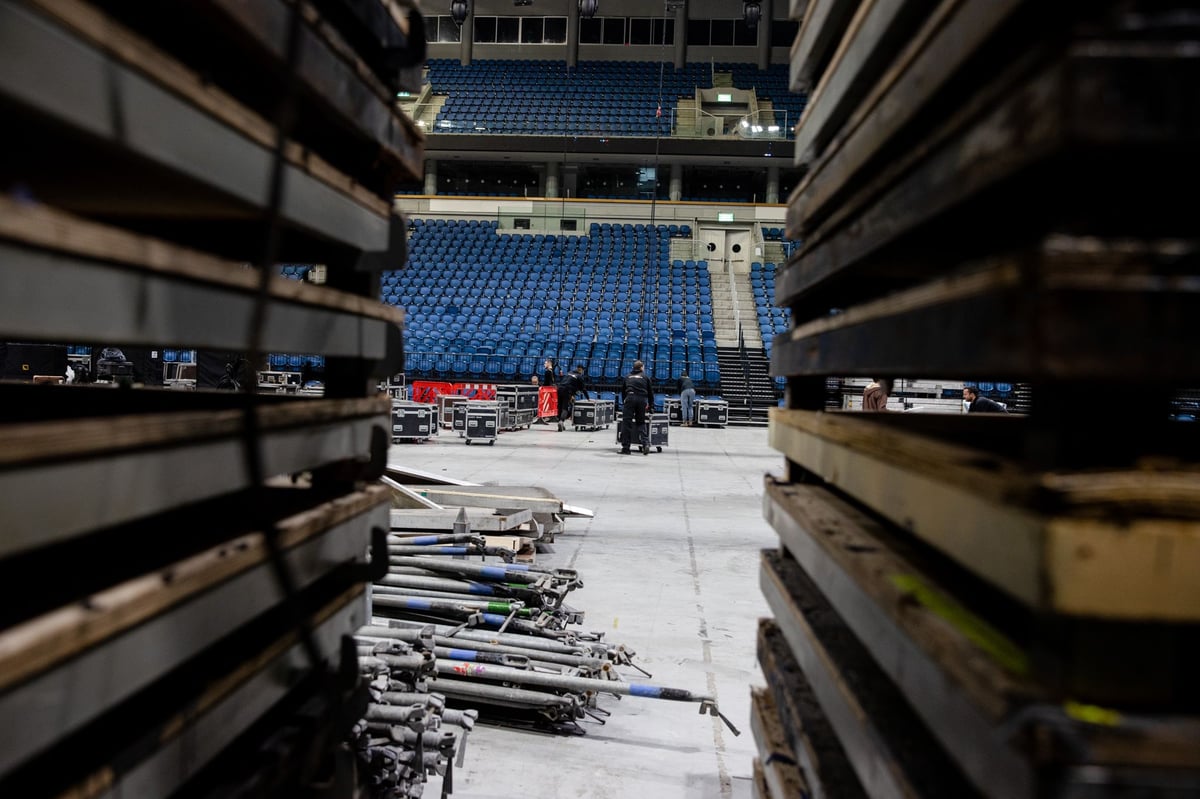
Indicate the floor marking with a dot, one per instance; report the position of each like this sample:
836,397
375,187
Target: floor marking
706,647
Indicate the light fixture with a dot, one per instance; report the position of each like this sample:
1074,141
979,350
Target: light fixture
751,13
772,128
588,8
459,10
745,124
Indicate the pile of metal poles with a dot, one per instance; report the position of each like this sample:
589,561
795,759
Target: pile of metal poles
502,635
401,740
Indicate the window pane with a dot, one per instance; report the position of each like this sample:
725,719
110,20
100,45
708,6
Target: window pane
589,30
531,30
744,35
508,30
658,31
697,32
639,31
783,32
614,30
556,30
447,31
485,29
722,32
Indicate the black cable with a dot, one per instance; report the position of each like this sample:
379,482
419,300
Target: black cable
251,435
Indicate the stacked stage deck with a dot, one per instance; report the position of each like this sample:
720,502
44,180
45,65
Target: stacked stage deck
988,605
165,591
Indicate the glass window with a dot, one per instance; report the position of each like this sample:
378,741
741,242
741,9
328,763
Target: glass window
532,30
783,32
721,33
590,30
556,30
745,35
639,31
614,30
485,29
508,30
661,27
444,30
697,32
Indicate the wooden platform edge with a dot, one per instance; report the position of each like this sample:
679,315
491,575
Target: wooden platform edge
950,34
1104,567
44,227
1044,290
827,771
779,763
139,54
38,644
221,689
962,676
890,749
38,442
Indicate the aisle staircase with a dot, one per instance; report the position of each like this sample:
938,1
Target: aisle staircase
745,381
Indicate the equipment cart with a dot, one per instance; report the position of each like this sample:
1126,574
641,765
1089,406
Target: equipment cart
659,431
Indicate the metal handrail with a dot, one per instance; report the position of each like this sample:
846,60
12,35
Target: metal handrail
605,371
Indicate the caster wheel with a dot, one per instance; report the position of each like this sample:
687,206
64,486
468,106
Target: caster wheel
659,449
468,442
492,443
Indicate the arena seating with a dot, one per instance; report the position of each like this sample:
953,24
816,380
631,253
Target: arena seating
489,305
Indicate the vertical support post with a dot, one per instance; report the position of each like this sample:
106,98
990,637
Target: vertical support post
431,168
551,179
681,17
467,39
772,185
569,182
764,35
676,186
572,33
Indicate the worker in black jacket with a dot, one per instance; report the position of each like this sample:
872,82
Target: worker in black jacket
568,387
981,404
636,394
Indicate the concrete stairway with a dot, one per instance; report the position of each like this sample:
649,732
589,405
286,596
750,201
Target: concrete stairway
745,304
685,118
725,323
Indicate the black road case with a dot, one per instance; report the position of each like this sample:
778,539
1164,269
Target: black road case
673,408
483,421
412,421
520,397
522,402
593,414
712,413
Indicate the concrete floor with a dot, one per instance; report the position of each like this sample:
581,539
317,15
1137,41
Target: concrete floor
670,568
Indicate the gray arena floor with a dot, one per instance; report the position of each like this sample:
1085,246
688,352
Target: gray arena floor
670,568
